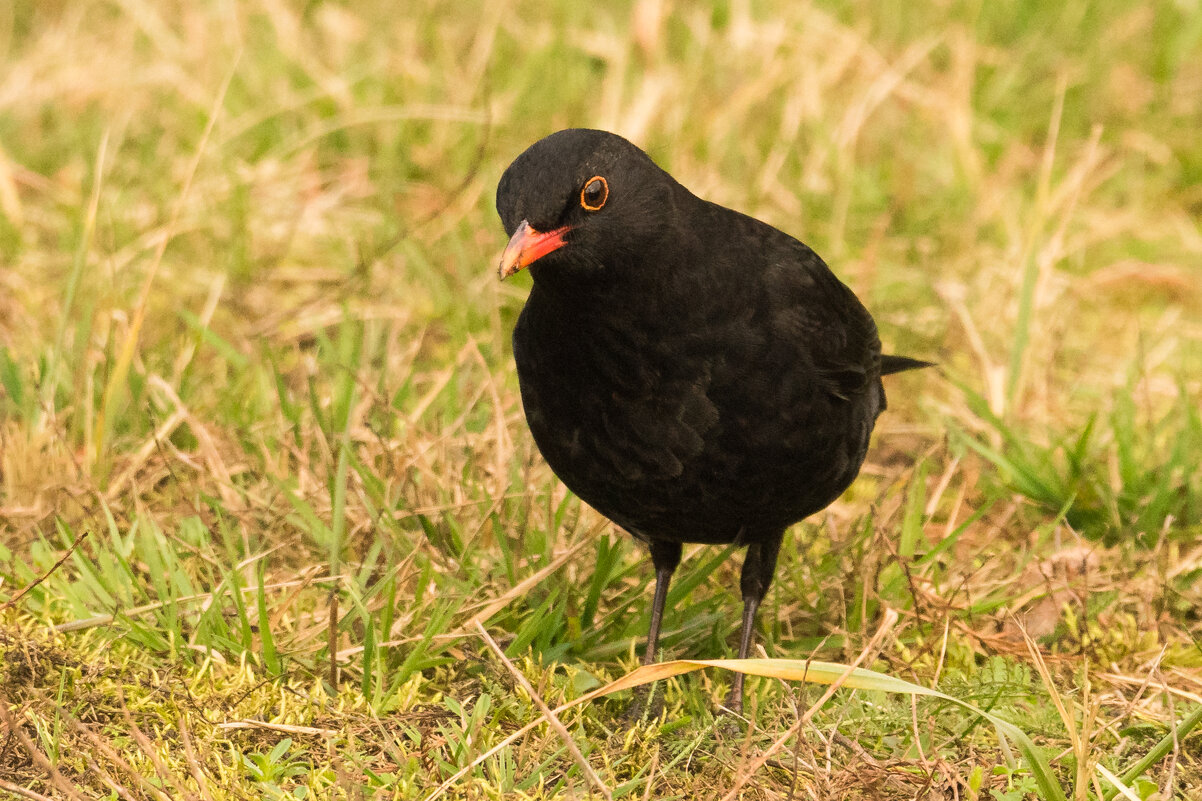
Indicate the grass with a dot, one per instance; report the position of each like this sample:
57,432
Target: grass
263,468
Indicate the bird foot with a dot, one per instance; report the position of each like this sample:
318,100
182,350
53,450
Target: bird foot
646,705
729,725
729,716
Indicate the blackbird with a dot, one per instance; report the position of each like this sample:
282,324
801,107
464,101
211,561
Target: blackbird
692,373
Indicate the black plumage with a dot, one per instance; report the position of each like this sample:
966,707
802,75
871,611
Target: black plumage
694,374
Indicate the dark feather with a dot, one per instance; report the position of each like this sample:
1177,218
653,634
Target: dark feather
693,373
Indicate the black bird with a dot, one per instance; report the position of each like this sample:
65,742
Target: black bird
694,374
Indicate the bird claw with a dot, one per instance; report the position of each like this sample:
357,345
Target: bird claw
647,705
728,725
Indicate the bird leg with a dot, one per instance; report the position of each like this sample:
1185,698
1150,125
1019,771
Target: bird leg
663,576
665,556
758,568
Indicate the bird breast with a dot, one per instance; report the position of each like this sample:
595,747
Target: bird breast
682,434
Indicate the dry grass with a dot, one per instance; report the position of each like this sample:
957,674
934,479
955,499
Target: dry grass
254,368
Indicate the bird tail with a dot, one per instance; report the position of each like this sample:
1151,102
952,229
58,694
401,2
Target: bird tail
898,364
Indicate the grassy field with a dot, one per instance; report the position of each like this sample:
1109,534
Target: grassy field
265,482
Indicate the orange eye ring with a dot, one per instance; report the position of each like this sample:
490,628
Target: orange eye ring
595,193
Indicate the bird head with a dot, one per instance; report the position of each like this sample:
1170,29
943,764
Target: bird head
581,205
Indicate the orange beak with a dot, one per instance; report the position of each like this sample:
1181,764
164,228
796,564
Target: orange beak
527,246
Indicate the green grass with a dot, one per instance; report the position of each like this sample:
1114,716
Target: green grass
263,467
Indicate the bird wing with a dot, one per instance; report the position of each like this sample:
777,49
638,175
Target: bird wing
817,321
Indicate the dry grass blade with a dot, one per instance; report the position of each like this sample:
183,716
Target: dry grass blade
35,754
494,606
109,752
524,586
203,599
1123,789
284,728
549,715
139,459
1149,681
194,766
164,775
23,792
1080,751
1167,744
829,673
870,649
21,593
128,348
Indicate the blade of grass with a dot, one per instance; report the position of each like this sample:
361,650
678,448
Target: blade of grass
1158,751
813,672
548,714
77,265
129,346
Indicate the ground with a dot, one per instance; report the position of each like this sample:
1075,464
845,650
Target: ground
265,484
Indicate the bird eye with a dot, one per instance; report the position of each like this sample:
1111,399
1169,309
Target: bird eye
595,193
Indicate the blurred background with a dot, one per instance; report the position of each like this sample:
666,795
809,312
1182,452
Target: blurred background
259,422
